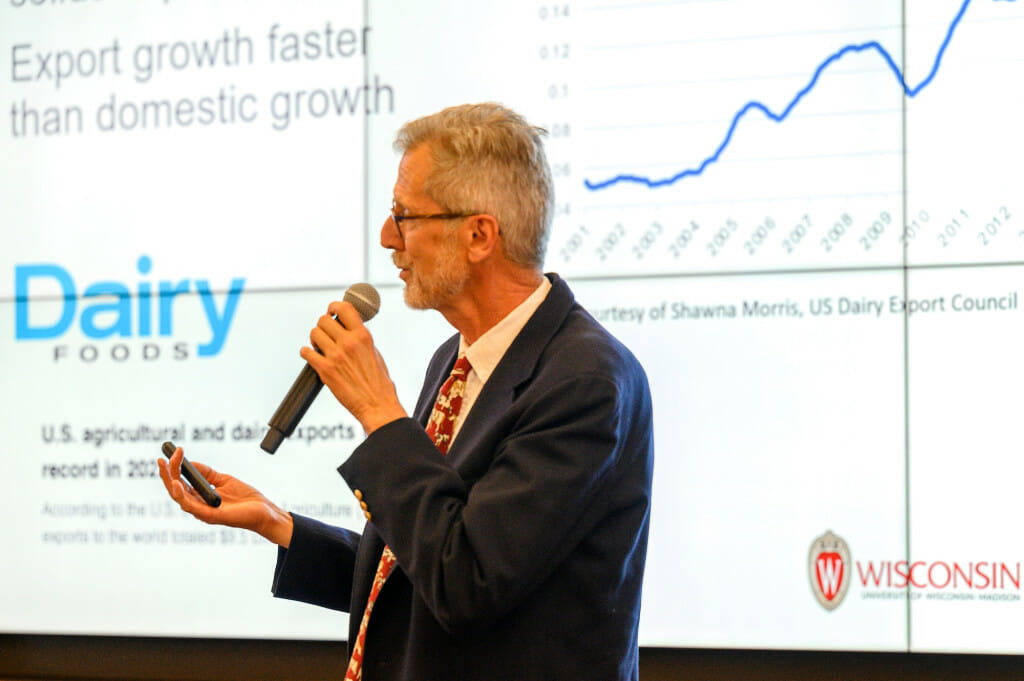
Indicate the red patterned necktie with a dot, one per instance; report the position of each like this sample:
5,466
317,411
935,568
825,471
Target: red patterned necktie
446,409
440,428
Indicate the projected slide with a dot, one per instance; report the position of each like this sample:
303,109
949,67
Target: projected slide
803,217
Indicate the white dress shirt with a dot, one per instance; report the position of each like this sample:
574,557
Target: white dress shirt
489,348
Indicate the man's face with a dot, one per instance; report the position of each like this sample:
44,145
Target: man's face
433,265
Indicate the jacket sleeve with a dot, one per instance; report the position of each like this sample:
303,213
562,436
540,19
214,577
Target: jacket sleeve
317,566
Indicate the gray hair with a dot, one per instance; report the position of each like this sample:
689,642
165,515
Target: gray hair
488,159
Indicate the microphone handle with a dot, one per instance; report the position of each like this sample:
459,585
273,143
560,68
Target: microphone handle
302,393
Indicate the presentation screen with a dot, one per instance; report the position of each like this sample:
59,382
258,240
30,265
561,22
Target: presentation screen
804,218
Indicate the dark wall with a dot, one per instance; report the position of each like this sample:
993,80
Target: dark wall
75,658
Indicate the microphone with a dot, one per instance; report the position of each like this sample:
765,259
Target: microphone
307,386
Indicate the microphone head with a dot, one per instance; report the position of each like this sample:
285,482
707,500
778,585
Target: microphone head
365,299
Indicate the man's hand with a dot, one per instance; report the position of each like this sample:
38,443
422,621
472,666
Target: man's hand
352,368
241,505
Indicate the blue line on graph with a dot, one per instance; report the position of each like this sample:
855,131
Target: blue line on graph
779,117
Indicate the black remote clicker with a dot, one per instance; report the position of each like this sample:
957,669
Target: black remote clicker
194,477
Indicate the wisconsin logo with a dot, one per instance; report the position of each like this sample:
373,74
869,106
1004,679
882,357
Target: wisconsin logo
829,564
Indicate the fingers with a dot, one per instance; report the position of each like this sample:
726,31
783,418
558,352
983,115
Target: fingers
315,360
346,314
213,477
341,329
179,490
170,472
321,341
176,489
340,317
170,485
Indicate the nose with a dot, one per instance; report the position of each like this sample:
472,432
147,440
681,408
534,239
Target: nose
390,236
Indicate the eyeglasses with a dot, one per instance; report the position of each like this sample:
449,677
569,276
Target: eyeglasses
398,219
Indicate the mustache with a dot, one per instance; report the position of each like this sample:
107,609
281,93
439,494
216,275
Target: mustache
400,261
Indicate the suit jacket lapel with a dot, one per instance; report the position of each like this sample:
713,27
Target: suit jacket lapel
515,368
437,373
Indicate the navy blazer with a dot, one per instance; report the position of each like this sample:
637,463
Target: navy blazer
521,553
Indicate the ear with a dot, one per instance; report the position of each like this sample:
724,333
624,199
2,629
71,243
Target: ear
483,237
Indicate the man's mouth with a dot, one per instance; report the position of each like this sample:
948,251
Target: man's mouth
403,268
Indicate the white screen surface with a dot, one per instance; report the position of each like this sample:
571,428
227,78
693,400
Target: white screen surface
803,218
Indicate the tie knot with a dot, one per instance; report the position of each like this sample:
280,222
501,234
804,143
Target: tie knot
462,367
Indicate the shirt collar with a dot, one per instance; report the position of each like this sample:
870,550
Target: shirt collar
489,348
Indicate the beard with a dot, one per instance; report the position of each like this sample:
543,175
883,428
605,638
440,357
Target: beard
433,290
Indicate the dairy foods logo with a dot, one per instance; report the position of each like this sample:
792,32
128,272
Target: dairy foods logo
143,312
829,567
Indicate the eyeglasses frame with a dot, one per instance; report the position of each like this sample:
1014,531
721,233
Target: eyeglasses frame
399,219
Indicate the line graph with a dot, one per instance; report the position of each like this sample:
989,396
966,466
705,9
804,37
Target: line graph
779,117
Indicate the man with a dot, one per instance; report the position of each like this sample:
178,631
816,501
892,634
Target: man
506,541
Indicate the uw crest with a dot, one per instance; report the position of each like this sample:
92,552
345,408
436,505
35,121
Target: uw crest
829,564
